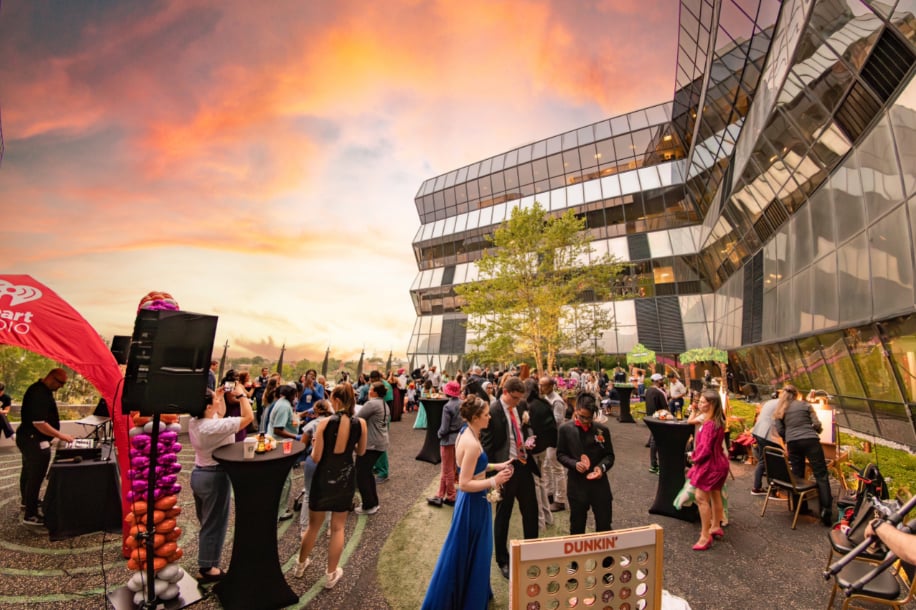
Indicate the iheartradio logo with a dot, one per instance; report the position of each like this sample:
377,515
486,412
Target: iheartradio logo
18,294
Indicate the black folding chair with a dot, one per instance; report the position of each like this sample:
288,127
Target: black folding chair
780,476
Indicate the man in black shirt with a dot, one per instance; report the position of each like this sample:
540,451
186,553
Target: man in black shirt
584,448
5,404
656,400
40,425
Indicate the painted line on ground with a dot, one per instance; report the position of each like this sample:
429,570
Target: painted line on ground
348,550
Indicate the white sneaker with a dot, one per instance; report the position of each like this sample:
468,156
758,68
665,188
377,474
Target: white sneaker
333,578
299,568
366,511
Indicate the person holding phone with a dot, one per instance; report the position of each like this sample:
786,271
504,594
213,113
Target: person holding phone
232,394
504,440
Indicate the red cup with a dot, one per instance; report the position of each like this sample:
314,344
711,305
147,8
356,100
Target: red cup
287,446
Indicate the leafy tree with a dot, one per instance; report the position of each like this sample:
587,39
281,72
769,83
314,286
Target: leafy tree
537,294
20,368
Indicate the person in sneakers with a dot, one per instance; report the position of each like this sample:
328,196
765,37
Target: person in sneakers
209,482
554,471
39,426
656,400
764,432
448,433
334,484
375,413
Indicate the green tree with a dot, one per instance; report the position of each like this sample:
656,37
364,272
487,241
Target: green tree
540,290
20,368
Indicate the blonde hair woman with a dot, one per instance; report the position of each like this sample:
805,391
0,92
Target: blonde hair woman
710,469
798,424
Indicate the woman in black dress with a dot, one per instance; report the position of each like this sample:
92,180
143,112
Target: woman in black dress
334,483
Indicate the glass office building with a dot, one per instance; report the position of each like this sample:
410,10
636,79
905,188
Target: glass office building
769,209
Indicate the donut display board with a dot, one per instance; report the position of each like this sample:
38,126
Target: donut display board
616,570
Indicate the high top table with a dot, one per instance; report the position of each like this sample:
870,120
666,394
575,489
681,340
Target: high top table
254,580
430,450
671,438
83,497
623,394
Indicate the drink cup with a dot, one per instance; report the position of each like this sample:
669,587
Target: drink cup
250,445
287,446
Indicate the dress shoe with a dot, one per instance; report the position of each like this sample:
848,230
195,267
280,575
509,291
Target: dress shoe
717,534
434,501
504,570
703,547
448,502
556,507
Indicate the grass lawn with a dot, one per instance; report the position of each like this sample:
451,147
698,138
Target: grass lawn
404,567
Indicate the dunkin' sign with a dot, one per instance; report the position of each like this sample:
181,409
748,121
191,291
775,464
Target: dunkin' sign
16,320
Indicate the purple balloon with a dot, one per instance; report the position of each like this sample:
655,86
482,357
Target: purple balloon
168,458
168,437
140,441
176,448
168,480
138,484
174,468
175,490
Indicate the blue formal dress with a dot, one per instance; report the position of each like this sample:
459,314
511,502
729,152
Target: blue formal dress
461,579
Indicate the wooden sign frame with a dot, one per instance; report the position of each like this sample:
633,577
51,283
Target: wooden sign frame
620,569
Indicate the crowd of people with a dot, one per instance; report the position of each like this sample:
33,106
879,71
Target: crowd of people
507,439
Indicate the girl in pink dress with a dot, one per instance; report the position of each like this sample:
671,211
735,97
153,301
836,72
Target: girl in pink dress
710,469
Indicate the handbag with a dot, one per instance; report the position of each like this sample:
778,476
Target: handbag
686,496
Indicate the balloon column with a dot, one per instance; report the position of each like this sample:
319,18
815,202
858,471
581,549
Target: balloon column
153,496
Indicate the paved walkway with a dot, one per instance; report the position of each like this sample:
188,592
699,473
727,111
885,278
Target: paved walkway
761,563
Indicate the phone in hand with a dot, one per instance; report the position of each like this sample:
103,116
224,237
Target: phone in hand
229,386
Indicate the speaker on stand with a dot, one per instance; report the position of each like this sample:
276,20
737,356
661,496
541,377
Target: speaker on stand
167,367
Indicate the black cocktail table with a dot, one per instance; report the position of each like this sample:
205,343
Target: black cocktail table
255,579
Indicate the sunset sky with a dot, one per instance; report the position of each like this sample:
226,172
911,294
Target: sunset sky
259,160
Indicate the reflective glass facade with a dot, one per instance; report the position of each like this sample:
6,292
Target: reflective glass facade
769,209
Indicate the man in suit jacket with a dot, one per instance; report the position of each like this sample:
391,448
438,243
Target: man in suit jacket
504,440
584,448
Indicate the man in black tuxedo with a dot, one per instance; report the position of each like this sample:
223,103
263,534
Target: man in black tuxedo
502,440
584,448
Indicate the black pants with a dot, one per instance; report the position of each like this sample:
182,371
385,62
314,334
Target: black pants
519,487
5,426
595,495
653,452
35,462
811,448
365,478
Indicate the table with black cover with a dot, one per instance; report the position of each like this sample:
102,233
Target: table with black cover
255,579
83,497
623,393
430,450
671,438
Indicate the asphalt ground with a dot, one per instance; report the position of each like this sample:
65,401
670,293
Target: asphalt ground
761,562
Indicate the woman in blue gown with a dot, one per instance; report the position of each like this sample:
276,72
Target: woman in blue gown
461,578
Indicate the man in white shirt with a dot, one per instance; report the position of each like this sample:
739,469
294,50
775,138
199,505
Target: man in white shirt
435,377
676,393
765,435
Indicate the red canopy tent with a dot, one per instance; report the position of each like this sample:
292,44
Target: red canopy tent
34,317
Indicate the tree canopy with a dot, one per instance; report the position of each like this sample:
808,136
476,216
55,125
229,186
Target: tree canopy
539,291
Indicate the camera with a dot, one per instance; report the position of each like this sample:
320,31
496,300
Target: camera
229,386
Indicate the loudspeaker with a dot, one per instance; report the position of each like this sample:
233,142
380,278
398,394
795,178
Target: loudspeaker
120,345
168,362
